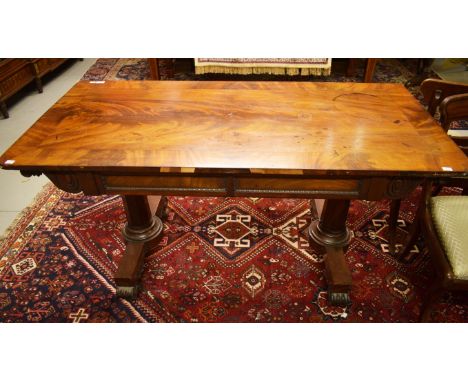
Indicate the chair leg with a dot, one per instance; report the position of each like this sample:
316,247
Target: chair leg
411,238
38,83
434,294
370,68
392,225
3,109
437,189
351,69
415,229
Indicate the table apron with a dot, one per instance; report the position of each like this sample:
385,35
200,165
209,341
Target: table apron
367,188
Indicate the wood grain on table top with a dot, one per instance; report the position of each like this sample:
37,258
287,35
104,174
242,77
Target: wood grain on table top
262,126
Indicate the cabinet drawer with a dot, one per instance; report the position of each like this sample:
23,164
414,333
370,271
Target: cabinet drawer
16,79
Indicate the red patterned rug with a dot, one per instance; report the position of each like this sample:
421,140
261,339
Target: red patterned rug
220,260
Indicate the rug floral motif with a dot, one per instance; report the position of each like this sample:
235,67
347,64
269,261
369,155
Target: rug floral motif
219,259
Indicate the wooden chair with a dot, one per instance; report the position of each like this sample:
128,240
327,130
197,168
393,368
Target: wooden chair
435,91
444,220
451,98
455,108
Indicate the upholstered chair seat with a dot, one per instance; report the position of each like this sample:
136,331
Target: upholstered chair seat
450,217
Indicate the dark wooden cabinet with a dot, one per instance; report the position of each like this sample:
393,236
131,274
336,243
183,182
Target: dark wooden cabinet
16,73
42,66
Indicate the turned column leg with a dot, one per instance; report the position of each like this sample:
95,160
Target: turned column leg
142,227
331,232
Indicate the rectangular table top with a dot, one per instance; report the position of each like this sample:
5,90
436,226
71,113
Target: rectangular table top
274,127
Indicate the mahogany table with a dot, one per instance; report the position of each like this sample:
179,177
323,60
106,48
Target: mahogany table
335,141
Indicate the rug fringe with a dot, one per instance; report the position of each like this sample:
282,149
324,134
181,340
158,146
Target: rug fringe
205,69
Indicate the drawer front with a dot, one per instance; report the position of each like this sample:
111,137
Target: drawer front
364,188
231,186
165,185
296,187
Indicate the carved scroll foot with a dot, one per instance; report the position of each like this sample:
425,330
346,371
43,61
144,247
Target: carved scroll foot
338,298
338,277
128,292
